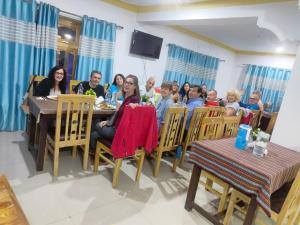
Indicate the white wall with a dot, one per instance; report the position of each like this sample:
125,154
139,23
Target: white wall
125,63
285,62
286,130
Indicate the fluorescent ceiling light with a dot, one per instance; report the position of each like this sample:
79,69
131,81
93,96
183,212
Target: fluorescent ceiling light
68,36
280,49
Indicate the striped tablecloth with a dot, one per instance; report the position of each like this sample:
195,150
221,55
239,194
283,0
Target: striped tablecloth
259,176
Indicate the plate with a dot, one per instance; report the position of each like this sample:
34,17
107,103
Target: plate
52,97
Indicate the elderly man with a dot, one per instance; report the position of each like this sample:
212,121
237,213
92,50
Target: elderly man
252,103
92,84
148,89
194,101
211,99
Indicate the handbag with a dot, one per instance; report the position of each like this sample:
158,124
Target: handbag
25,103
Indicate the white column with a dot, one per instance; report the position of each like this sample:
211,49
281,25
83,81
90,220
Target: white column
287,128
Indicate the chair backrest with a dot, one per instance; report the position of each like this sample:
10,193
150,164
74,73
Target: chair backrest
231,125
72,84
37,80
74,110
211,128
216,111
272,122
173,128
254,121
291,206
193,132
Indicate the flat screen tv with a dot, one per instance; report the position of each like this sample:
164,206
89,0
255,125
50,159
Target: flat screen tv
145,44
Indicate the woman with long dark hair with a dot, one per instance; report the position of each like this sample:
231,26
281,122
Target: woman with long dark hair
184,91
117,86
54,84
107,129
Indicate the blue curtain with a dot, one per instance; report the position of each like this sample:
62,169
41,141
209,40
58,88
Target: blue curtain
96,49
17,38
186,65
46,36
271,82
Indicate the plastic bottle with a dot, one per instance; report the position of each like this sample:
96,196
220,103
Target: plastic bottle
80,89
184,100
108,96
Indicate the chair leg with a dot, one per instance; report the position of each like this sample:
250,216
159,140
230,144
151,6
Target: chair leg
157,164
96,159
182,158
175,163
223,199
116,172
56,161
85,156
74,151
230,209
140,163
46,150
297,221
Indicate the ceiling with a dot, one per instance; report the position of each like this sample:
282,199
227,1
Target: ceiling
258,28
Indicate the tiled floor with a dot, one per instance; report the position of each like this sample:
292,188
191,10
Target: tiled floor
76,197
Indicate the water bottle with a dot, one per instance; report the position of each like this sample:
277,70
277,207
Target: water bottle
108,96
80,89
114,98
184,100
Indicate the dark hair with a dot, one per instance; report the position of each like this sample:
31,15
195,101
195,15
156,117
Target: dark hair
166,84
199,89
51,77
136,84
95,71
118,75
182,91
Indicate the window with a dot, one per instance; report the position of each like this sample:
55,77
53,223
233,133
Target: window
67,45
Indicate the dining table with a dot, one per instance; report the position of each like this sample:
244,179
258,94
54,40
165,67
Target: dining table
257,177
42,111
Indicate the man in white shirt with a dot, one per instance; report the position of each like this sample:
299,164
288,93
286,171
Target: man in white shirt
148,89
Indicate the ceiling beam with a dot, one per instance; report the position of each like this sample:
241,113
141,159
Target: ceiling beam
204,4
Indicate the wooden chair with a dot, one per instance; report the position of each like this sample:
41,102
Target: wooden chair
216,111
75,132
212,128
231,125
254,121
171,134
72,84
289,207
103,148
36,81
272,121
194,130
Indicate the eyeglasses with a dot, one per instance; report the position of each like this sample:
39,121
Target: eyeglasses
59,73
129,83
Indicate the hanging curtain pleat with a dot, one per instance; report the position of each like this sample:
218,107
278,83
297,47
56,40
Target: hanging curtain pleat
186,65
46,38
271,82
96,49
17,38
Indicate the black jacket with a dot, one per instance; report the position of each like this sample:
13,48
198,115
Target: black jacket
43,88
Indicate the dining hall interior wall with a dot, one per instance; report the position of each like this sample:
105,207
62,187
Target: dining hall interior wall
228,73
130,64
286,130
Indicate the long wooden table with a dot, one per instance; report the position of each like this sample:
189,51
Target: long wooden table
257,177
11,212
41,111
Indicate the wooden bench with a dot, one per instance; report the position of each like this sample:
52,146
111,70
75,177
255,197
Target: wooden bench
10,209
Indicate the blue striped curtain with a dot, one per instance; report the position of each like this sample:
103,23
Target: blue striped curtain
186,65
96,49
271,82
17,39
46,36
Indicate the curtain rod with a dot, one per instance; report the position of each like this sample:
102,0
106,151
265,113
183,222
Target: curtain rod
80,17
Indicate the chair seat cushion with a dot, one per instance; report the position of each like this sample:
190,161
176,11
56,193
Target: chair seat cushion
279,196
106,142
51,132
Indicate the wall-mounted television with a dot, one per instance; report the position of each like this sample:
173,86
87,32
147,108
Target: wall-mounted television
144,44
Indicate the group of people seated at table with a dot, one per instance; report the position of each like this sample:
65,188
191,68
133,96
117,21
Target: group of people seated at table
129,92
